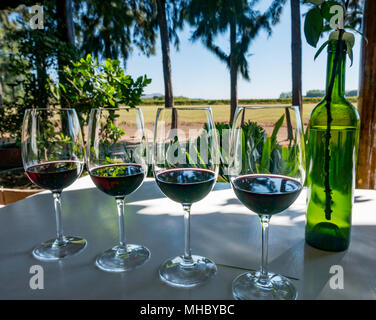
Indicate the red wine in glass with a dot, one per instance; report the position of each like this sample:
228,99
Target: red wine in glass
266,194
54,175
53,156
118,180
118,165
185,166
186,185
266,170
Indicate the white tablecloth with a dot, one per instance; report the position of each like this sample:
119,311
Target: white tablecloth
221,228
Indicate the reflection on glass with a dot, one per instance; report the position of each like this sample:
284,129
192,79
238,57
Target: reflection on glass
185,166
267,173
53,155
117,163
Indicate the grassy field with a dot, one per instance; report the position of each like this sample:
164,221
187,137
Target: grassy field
182,101
221,113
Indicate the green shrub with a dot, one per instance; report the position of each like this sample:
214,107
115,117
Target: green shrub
261,152
93,85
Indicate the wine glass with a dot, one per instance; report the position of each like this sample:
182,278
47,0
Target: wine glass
266,170
117,162
185,165
53,157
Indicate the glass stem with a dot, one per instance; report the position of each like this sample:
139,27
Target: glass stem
187,234
122,248
264,279
59,225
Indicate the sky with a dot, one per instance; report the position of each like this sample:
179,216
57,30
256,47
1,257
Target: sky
197,73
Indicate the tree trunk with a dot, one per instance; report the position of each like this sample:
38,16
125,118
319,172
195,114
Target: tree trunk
106,39
65,21
233,73
296,55
366,171
165,44
296,64
1,94
65,29
41,80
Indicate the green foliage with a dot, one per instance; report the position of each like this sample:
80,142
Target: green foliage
315,93
11,123
318,19
285,95
27,62
29,58
321,49
146,27
114,133
112,171
52,139
93,85
263,154
221,128
109,137
325,9
349,40
7,47
103,28
351,94
313,26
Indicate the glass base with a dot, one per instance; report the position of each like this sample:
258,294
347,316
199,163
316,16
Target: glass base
117,259
247,287
179,273
51,250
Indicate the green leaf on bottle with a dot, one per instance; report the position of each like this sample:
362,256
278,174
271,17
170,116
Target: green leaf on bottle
321,49
349,39
359,32
350,53
313,26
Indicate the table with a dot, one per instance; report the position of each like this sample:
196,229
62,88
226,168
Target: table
221,228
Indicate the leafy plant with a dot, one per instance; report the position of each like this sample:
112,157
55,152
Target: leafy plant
113,171
28,60
11,123
327,15
93,85
263,154
51,141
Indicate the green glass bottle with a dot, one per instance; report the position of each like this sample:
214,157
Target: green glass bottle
331,161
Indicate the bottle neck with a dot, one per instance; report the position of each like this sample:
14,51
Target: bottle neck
338,91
